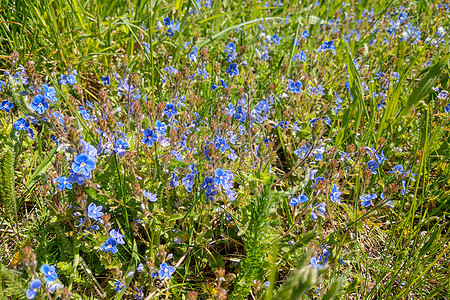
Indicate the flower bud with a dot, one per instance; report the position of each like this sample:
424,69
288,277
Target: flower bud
79,91
220,274
29,67
14,57
362,150
367,174
221,294
29,258
256,285
192,295
351,148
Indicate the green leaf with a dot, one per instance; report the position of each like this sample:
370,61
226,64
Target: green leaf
334,289
179,5
42,167
357,106
423,89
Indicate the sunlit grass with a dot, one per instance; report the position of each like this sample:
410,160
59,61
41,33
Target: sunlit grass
209,150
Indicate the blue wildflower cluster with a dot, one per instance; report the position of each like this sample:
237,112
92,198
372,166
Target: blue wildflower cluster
216,142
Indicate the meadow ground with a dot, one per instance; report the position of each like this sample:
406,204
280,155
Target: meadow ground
221,149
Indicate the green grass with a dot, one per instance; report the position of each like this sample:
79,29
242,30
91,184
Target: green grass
375,252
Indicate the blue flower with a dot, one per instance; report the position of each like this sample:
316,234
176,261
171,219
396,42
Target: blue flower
78,177
2,84
389,204
302,56
318,210
115,234
231,57
208,184
49,93
85,113
170,110
109,246
230,48
95,212
118,286
366,200
209,187
106,81
380,157
276,40
71,79
49,272
174,181
147,48
232,70
192,168
402,17
240,115
335,194
202,72
222,82
149,137
35,285
121,147
172,27
6,106
151,197
161,127
302,151
139,294
295,87
282,124
264,55
193,54
188,182
63,79
315,263
221,177
63,183
21,124
398,169
447,109
83,164
39,104
327,46
53,286
324,256
319,153
165,271
301,199
230,194
140,267
222,145
372,166
404,189
305,34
